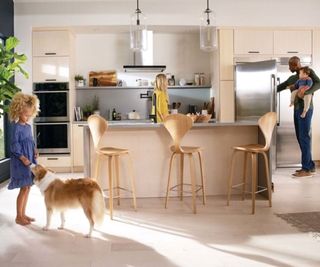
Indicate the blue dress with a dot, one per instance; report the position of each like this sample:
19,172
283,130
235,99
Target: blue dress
22,144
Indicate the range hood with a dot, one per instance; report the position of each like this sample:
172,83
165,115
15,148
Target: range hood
143,60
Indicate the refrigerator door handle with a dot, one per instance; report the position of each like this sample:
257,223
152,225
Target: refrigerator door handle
273,93
278,104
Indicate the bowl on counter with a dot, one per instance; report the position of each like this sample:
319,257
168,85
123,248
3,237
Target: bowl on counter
200,118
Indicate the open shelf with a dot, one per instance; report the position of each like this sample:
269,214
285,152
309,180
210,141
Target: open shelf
141,87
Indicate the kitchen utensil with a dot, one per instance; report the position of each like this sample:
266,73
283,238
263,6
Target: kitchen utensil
174,105
178,105
192,109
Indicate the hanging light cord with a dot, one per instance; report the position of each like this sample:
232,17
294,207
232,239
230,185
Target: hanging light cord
138,12
208,11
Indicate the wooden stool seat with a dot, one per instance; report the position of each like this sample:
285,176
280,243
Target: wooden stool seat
186,149
98,126
257,148
178,125
113,151
266,124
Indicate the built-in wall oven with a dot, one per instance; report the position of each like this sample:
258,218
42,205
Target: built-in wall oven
54,99
53,137
52,125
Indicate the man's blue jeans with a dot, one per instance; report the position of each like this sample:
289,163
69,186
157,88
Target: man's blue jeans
302,127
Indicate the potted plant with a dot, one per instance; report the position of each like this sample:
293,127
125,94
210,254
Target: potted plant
87,110
10,64
79,80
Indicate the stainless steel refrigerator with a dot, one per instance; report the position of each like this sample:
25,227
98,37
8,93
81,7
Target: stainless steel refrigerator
256,94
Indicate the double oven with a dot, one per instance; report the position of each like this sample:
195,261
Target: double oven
52,125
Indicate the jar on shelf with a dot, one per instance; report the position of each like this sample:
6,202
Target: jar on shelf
196,79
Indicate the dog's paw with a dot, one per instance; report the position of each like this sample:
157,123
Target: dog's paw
61,227
45,228
87,235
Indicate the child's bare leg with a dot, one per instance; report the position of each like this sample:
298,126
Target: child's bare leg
25,205
20,219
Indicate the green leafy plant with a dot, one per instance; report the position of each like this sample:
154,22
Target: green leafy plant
78,77
10,64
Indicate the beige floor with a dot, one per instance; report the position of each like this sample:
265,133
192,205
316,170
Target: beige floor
216,236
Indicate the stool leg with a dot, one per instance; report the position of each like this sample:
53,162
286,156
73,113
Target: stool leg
181,175
97,166
202,178
133,187
254,180
193,183
169,178
110,159
117,169
231,176
268,178
244,178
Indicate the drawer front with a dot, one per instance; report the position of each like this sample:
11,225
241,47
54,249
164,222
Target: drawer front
55,161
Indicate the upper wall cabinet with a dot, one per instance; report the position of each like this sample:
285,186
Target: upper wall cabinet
292,42
251,42
50,69
51,43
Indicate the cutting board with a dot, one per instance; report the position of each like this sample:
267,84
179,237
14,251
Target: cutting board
104,78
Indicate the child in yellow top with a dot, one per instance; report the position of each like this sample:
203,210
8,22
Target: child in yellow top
162,98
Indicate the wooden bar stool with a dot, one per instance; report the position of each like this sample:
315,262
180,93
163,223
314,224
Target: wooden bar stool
266,123
178,125
98,126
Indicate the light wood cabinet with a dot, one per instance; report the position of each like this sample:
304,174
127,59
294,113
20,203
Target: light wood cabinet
253,42
226,68
55,161
227,101
51,43
293,42
50,69
77,145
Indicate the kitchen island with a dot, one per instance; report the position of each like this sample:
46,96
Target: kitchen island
149,146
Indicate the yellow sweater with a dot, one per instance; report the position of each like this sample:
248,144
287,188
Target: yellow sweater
162,103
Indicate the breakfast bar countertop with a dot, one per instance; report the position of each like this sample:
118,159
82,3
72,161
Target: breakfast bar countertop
150,124
149,145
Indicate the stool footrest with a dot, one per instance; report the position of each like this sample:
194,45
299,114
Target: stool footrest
174,188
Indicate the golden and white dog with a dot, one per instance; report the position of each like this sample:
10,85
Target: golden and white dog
72,193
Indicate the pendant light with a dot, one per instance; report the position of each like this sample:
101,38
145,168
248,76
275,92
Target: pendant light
138,30
208,31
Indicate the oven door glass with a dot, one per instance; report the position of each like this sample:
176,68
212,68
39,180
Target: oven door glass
52,137
53,106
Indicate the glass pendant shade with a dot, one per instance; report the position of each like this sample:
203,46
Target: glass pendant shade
138,32
208,31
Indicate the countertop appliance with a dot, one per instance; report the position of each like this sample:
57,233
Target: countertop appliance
256,93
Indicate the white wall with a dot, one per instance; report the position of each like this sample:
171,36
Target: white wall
179,52
29,14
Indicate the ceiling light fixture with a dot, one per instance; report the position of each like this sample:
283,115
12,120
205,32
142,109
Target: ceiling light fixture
138,30
208,31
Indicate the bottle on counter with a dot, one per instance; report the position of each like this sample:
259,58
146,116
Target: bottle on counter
114,114
197,79
202,78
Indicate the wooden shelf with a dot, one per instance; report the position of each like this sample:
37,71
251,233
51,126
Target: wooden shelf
90,88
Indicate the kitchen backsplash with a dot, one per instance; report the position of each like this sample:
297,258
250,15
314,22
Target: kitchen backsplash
126,100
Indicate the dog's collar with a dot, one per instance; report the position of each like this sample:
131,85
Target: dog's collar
46,181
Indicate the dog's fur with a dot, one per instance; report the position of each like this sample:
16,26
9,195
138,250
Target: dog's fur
72,193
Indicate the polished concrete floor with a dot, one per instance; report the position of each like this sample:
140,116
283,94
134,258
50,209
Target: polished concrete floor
153,236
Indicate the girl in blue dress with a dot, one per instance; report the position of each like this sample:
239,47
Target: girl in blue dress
23,150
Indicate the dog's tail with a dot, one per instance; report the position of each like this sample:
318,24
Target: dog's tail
98,207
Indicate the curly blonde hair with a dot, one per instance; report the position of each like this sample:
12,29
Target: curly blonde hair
19,102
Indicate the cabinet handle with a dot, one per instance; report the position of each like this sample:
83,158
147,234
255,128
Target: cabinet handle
253,52
50,80
52,158
50,54
80,125
292,52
